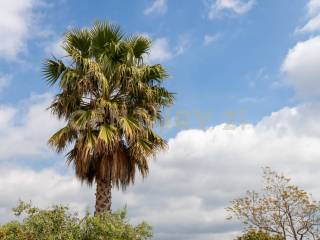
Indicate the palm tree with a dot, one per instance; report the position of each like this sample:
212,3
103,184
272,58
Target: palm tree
110,100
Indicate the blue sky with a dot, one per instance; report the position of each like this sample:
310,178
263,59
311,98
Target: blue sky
245,74
233,72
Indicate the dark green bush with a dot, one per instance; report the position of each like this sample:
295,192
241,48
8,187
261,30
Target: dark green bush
258,235
57,223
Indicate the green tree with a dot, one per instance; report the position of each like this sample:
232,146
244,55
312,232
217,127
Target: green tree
258,235
281,208
110,100
57,223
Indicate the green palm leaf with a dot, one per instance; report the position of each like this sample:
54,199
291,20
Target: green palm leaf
110,100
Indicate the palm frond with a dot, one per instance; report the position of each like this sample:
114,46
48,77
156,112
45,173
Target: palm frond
129,127
140,46
108,134
103,34
79,39
110,100
52,70
62,138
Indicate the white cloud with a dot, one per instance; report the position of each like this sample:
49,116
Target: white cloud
55,48
6,115
203,170
190,185
42,187
25,129
219,7
161,50
158,6
16,20
313,23
209,39
302,67
4,80
313,7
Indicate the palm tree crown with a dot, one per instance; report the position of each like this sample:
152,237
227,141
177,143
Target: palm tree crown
110,100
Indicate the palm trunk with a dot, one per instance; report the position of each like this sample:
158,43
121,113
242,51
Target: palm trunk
103,196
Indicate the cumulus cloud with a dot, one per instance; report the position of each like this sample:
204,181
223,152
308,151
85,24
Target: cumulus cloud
191,184
203,170
162,51
313,7
312,25
16,20
158,6
302,67
43,187
24,129
313,16
220,7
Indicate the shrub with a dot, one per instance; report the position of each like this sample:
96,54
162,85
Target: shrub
58,223
258,235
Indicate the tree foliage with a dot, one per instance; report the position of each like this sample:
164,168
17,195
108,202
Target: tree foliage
281,208
110,100
258,235
57,223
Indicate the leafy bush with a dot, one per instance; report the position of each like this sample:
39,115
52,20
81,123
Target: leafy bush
57,223
258,235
